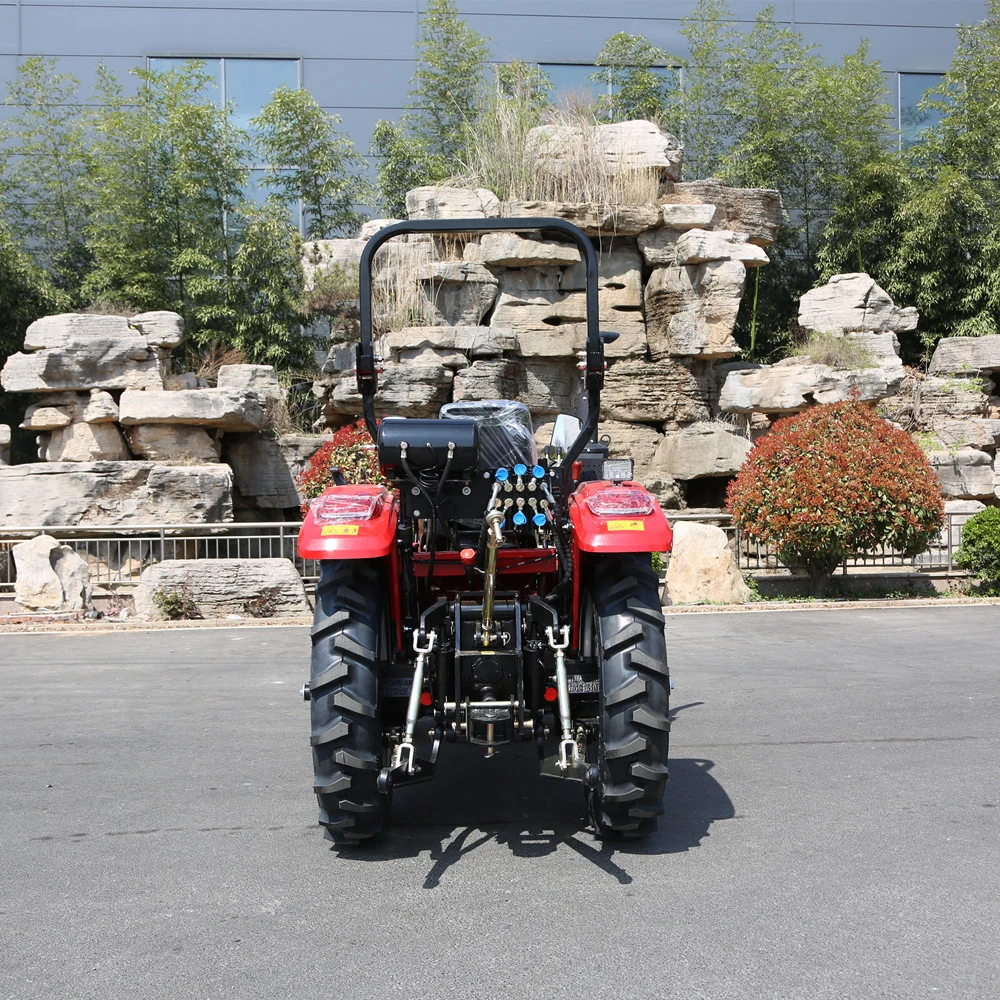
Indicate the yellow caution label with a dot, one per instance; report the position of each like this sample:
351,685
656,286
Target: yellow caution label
339,529
626,526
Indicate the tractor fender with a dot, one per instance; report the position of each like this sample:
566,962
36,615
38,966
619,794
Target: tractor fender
637,530
329,534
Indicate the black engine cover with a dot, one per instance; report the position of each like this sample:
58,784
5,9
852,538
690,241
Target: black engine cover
427,443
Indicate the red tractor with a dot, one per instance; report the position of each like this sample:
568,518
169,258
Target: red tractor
487,596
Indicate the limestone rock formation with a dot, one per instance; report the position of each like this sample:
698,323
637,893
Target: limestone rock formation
475,341
960,355
83,442
50,576
594,220
691,311
702,450
442,202
4,444
545,386
965,474
623,146
796,383
173,443
261,379
225,409
511,250
110,493
412,390
460,293
698,246
851,303
221,587
666,391
703,567
757,212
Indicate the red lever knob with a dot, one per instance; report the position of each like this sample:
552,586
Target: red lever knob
468,556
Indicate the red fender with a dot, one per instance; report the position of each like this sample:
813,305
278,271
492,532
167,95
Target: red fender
643,528
329,533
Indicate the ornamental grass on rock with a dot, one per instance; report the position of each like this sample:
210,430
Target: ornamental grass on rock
835,481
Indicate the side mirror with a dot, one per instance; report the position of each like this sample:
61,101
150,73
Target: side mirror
565,432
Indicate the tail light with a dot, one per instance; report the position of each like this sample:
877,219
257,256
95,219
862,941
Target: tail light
338,508
620,501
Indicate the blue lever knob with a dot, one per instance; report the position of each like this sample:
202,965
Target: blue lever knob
501,475
538,472
519,518
520,469
538,520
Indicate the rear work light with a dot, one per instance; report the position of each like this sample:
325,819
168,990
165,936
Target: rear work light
340,508
620,500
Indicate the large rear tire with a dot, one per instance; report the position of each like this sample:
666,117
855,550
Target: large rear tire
630,647
347,632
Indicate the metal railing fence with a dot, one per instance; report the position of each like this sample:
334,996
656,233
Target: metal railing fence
118,555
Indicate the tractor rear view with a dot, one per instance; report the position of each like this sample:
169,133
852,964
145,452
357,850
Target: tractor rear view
487,596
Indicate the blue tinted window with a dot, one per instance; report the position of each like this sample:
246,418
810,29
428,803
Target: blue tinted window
251,82
912,120
573,80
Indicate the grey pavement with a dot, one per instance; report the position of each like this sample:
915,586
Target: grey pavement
832,829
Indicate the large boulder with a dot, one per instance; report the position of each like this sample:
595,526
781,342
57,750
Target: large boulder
698,246
853,303
691,311
560,150
703,567
60,409
261,379
262,471
86,361
497,250
965,474
174,443
796,383
460,293
50,576
112,493
544,386
757,212
953,397
443,202
321,256
221,587
593,219
665,391
407,390
475,341
223,409
971,432
685,217
966,354
703,450
81,442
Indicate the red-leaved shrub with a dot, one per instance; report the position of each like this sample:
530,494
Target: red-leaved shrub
352,451
835,481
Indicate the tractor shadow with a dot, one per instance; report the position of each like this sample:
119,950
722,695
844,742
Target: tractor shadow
473,801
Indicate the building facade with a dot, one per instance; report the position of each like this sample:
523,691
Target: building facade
357,56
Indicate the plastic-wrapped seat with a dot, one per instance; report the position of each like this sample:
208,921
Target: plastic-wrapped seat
505,433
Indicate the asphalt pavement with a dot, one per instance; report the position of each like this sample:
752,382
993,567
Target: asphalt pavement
832,829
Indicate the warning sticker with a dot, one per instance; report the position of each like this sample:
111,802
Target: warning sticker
626,526
339,529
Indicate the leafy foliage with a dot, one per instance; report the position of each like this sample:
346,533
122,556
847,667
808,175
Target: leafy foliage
177,604
637,90
311,162
351,451
430,141
979,552
834,481
47,194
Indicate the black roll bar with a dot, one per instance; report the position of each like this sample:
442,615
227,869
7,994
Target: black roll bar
367,372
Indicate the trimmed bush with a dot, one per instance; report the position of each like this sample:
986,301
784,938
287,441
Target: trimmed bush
835,481
351,451
979,552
